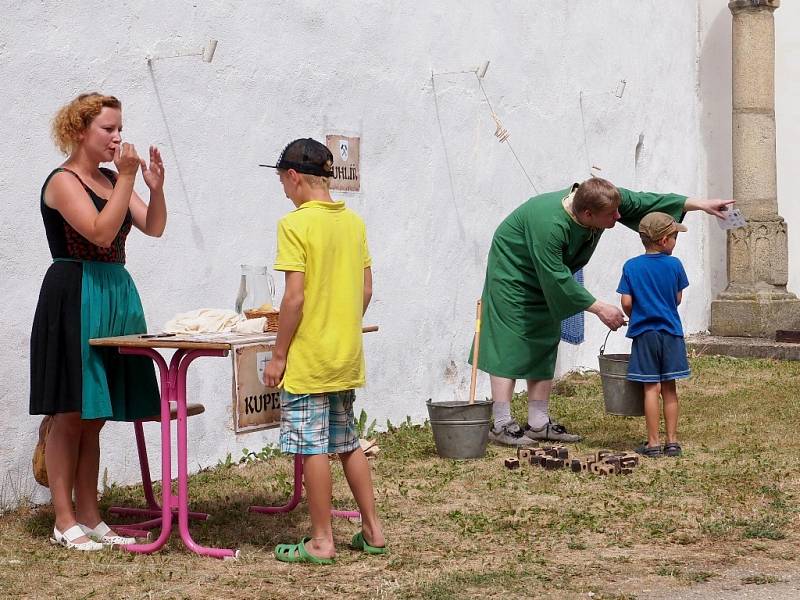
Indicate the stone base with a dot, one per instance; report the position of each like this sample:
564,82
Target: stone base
754,317
741,347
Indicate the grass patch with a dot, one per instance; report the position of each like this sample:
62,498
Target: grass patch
760,579
475,529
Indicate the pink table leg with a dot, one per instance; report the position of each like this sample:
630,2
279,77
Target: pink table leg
296,494
153,507
166,446
183,471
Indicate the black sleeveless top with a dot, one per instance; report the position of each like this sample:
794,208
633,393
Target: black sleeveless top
65,242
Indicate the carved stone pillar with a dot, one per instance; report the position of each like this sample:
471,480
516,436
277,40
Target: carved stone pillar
756,302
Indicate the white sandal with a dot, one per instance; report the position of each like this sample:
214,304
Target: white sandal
67,539
101,534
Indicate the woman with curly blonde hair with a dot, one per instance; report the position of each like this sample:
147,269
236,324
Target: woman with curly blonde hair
88,212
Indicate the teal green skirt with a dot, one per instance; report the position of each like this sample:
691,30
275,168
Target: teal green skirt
115,386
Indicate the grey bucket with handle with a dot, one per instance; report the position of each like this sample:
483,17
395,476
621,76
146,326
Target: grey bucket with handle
621,397
460,429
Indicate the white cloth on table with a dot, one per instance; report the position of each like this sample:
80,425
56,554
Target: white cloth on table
213,320
250,325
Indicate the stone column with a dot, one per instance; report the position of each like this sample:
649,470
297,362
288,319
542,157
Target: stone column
756,302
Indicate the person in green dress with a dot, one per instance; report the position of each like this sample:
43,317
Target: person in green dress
529,289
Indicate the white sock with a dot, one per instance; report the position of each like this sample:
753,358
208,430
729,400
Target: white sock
501,411
537,413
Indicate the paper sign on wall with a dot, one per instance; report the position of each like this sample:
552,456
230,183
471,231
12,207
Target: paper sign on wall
255,406
346,152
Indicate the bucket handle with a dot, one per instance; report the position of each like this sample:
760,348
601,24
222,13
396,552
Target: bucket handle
603,347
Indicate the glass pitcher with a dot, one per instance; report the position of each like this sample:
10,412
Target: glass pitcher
256,287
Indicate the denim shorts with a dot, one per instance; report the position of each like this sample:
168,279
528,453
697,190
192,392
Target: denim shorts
658,356
318,423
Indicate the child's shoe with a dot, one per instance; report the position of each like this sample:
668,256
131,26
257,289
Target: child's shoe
649,451
672,449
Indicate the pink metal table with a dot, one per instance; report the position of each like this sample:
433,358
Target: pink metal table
173,388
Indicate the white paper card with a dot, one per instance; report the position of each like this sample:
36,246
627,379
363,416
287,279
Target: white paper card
733,219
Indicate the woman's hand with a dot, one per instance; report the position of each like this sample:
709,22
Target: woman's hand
709,205
126,160
154,174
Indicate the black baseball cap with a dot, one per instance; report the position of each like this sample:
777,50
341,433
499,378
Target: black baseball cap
307,156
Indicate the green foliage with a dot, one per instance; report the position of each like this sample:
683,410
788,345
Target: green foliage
267,452
363,430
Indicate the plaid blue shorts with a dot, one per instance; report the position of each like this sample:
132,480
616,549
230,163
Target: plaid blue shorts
318,423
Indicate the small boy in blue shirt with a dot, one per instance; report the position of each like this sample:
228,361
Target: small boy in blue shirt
652,286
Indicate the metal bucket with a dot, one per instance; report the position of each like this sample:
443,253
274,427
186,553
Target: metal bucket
621,397
460,429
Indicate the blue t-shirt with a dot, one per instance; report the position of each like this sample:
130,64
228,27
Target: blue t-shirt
653,280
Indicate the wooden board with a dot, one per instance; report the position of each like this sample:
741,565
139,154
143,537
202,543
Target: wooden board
255,406
785,335
187,341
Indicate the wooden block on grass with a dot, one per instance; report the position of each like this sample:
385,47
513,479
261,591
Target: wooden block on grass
630,459
512,463
524,454
553,464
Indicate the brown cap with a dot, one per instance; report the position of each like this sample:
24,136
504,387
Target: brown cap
657,225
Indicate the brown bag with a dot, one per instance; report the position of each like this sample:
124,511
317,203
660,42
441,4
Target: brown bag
39,466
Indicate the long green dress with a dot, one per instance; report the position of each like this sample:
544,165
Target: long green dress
529,288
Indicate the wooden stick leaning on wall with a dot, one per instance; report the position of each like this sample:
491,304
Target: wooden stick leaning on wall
475,347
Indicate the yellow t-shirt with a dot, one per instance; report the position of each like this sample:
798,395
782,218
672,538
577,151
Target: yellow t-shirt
328,243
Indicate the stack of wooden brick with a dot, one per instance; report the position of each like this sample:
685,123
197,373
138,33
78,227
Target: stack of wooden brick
606,462
602,462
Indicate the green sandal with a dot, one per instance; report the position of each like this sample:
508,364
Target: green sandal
359,543
297,553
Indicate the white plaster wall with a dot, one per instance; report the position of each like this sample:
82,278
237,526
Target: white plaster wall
787,118
714,123
435,183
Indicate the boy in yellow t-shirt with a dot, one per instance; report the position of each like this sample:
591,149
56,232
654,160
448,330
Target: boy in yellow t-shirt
318,356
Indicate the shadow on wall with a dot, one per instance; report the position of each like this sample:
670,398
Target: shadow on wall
196,232
715,127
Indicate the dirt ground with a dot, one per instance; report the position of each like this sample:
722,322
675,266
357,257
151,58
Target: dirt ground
723,521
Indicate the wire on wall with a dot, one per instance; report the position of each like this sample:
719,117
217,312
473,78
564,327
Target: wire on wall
501,133
618,92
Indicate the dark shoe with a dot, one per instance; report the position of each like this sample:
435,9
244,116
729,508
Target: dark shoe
554,432
509,434
673,449
649,451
